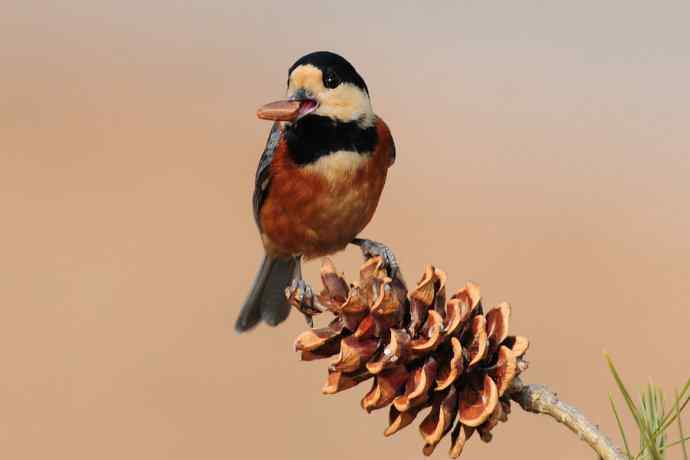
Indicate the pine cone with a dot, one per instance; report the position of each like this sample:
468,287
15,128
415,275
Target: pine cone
422,350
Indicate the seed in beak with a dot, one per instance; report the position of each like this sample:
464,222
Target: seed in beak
280,111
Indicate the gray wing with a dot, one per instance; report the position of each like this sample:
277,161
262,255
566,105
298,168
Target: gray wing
263,172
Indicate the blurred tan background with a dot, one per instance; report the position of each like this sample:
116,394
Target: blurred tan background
543,152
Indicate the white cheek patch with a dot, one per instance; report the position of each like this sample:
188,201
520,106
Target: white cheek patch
347,103
337,167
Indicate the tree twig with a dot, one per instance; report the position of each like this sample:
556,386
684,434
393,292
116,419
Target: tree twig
540,400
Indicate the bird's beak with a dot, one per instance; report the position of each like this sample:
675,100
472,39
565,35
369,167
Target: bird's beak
289,110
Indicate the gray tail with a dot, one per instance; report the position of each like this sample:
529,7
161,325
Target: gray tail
267,301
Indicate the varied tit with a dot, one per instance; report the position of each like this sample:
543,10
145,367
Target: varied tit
319,178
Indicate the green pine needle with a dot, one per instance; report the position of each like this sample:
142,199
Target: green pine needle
683,439
671,416
651,418
652,413
620,428
682,443
646,433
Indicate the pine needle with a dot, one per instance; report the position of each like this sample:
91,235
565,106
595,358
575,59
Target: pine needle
646,433
621,429
683,439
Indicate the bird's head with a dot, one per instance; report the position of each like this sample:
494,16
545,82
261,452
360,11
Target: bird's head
322,84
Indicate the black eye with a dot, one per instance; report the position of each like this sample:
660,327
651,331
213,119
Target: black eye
330,79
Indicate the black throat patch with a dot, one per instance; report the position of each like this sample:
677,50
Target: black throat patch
315,136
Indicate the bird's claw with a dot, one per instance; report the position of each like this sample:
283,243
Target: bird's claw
372,248
301,297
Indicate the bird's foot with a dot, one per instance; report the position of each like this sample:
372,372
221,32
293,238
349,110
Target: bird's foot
372,248
301,297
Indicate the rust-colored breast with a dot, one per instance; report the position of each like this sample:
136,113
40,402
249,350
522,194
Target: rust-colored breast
319,208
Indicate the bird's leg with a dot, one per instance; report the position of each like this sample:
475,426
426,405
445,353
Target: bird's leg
301,296
372,248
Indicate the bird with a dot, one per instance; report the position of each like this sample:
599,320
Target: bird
318,181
